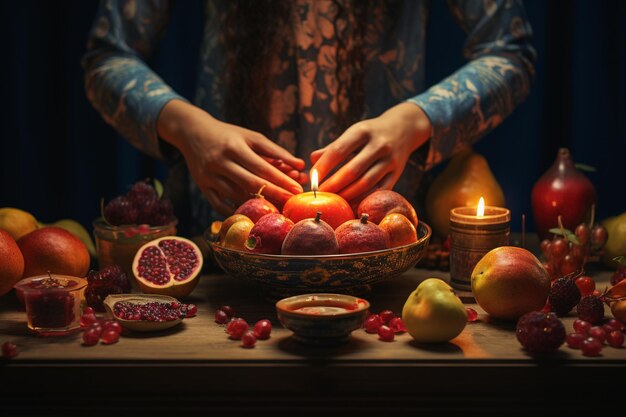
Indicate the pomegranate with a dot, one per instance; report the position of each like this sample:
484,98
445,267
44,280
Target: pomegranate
268,234
311,237
361,235
256,207
12,265
169,265
562,190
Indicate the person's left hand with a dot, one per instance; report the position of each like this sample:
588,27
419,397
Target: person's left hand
374,152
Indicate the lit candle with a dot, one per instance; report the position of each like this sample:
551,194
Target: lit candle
335,210
474,231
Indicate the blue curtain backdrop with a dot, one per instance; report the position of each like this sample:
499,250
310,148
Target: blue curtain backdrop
58,158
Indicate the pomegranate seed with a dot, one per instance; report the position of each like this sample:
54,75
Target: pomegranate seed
591,347
615,324
88,319
236,328
175,305
9,350
615,338
586,285
221,317
112,325
248,340
598,333
372,323
397,325
386,316
91,337
607,328
262,329
230,312
192,310
582,326
97,327
110,336
472,315
89,310
385,333
575,340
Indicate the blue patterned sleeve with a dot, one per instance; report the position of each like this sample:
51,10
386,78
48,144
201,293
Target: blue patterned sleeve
119,83
478,97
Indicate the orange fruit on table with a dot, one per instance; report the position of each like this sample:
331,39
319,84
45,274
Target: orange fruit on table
56,250
11,262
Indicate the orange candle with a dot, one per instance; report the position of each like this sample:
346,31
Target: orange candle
335,210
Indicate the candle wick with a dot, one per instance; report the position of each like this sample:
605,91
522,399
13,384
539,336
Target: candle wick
314,193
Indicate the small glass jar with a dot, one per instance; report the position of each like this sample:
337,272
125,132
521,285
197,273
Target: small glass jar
117,245
53,303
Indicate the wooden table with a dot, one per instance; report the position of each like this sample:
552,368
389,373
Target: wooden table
195,367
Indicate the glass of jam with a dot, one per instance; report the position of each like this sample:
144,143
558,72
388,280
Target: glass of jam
117,245
53,303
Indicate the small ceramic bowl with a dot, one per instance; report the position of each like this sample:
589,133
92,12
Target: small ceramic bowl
322,319
141,325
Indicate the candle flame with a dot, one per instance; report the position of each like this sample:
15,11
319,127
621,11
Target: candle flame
480,211
314,180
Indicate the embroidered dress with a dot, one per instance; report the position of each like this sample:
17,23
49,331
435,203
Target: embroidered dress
304,97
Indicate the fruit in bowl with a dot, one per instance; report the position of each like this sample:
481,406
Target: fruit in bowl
129,221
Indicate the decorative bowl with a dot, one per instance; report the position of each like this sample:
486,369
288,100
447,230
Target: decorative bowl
322,319
286,275
141,325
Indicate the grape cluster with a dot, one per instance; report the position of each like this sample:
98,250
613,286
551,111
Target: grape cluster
566,253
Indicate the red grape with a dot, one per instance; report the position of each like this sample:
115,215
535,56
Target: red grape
585,285
591,347
558,248
582,232
615,339
575,340
385,333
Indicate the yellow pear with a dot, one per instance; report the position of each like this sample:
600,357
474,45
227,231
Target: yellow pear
616,243
433,313
466,178
17,222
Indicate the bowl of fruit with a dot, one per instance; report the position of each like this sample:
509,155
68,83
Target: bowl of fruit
129,221
298,252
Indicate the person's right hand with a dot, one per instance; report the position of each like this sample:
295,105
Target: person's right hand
228,162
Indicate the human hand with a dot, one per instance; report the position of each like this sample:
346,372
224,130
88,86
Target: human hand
228,162
373,152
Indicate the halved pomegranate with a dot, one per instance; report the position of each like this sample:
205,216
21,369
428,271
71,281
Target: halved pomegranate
169,266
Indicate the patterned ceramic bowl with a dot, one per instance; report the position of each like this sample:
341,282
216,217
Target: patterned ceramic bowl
286,275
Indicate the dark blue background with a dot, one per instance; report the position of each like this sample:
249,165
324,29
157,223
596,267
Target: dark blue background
58,158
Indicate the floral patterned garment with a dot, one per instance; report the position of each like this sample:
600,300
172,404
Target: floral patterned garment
304,100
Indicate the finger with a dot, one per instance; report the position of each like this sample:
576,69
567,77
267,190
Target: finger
316,155
366,182
262,145
217,203
339,151
250,181
350,172
303,178
263,169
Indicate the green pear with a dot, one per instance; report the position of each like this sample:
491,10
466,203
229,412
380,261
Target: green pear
616,243
77,230
433,313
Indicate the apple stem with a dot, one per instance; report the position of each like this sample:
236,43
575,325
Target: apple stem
259,194
364,218
318,216
593,216
561,226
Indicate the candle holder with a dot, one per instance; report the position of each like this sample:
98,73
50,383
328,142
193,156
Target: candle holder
471,237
